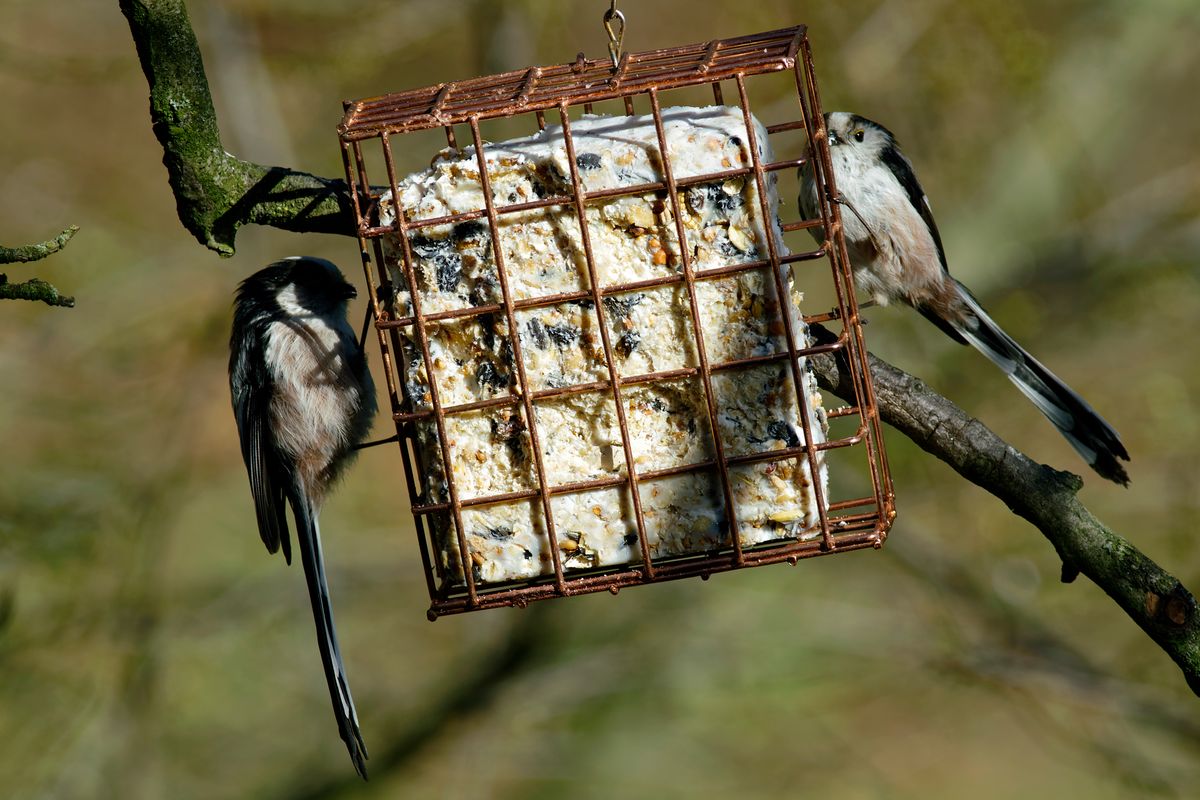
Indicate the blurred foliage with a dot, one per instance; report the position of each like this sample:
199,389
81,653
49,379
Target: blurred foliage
149,648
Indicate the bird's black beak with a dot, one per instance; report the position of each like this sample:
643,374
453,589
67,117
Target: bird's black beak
349,292
834,139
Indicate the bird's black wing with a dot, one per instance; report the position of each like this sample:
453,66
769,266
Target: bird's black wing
252,389
902,169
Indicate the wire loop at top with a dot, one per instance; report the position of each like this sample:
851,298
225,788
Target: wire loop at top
614,24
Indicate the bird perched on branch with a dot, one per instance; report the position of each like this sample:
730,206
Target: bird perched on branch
303,398
897,256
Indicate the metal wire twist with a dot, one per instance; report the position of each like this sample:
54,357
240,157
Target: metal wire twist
614,18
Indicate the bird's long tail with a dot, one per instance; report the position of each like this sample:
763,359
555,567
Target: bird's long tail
309,538
1088,433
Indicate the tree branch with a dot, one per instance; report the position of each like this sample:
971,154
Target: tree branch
1153,598
35,288
36,252
215,192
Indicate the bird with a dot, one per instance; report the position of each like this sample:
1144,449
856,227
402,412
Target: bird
302,398
897,256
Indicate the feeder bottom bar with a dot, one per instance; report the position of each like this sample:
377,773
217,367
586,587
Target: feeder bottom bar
858,535
558,345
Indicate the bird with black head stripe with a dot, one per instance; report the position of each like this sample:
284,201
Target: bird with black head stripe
897,256
303,398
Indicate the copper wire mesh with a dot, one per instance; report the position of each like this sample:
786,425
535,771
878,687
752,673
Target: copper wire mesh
725,67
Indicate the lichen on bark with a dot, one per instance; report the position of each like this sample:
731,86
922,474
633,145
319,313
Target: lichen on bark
215,192
35,288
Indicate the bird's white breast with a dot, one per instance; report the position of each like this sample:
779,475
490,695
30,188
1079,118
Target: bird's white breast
890,246
317,394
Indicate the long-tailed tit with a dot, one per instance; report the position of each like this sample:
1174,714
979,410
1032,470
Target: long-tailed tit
303,398
897,256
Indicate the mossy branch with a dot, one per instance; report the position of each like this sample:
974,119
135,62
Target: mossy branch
36,252
35,288
1152,597
215,192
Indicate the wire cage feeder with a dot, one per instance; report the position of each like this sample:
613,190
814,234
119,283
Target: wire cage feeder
409,254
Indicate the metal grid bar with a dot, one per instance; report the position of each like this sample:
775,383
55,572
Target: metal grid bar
785,308
629,380
844,523
515,339
710,399
780,454
601,194
864,389
470,312
434,398
605,339
856,534
403,432
584,81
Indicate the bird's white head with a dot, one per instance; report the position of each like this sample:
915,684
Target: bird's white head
866,138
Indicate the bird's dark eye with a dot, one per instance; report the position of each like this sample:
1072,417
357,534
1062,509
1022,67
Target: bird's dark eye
859,135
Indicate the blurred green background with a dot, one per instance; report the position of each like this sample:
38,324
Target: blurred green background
150,648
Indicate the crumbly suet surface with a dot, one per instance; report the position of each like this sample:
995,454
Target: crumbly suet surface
632,238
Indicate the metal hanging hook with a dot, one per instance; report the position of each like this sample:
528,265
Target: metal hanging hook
614,24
